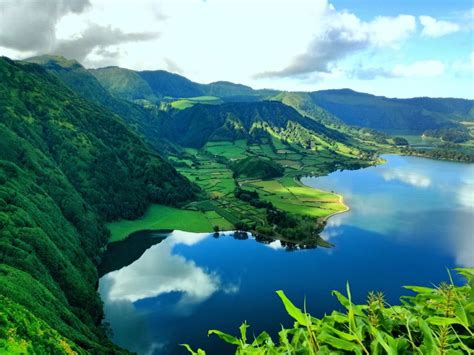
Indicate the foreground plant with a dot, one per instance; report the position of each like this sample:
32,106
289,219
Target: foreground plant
438,320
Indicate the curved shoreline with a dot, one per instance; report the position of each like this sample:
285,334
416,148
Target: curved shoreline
341,199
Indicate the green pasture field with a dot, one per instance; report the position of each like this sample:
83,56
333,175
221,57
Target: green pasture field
184,103
290,196
164,217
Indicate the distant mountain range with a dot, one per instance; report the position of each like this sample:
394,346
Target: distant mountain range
115,86
353,108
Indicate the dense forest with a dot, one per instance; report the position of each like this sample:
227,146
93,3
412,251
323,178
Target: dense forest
66,166
199,124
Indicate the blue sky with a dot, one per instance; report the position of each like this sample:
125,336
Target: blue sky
396,48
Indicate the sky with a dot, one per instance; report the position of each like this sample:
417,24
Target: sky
396,48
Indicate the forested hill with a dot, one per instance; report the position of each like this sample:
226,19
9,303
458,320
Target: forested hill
154,85
406,115
243,120
81,81
66,166
410,116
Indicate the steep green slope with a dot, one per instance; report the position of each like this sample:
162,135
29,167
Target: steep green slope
124,83
226,88
163,84
80,80
303,103
231,121
456,109
408,115
158,85
65,166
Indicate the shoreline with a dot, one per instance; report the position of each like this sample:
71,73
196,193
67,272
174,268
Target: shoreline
340,196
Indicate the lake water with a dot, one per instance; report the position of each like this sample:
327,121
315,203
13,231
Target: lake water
410,220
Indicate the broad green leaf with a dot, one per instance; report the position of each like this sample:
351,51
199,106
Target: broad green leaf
344,335
338,343
188,348
292,310
429,344
347,304
443,320
262,338
341,298
382,341
419,289
230,339
243,332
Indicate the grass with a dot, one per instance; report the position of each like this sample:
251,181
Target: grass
229,150
164,217
288,195
184,103
207,168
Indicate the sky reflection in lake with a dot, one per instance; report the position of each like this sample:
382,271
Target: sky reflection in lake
410,220
411,200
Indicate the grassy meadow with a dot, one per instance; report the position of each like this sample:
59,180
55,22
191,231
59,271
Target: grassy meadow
164,217
184,103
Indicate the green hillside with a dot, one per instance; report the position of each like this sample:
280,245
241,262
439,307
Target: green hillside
124,83
393,115
251,121
80,80
163,84
258,168
66,166
158,85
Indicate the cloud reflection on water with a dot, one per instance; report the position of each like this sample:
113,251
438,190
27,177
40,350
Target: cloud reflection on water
409,200
412,178
158,272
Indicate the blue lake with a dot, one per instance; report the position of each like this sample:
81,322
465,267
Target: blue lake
411,219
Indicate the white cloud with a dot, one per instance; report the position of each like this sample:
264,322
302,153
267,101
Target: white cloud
464,68
424,68
340,34
391,31
313,44
437,28
407,177
27,25
33,27
419,69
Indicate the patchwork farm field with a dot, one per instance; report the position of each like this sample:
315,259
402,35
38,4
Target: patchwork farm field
210,172
211,169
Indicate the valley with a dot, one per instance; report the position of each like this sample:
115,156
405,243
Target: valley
236,177
211,169
94,159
